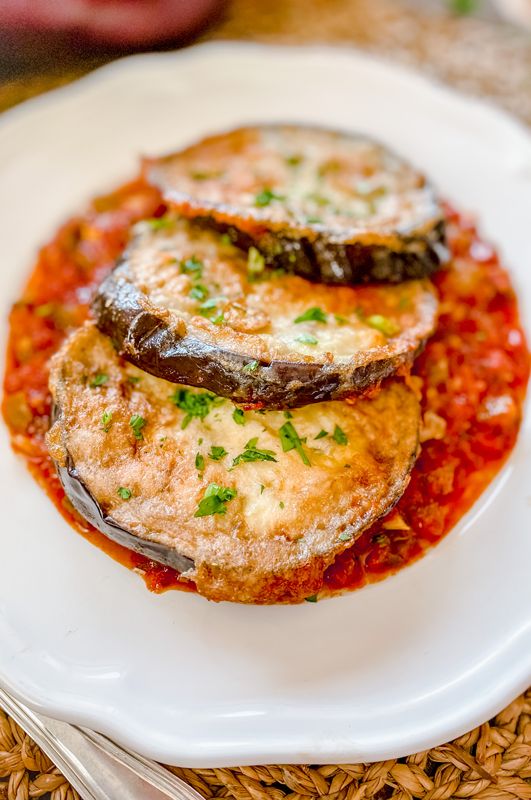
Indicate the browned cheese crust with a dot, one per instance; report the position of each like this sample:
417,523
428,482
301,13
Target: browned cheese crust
285,519
333,207
189,307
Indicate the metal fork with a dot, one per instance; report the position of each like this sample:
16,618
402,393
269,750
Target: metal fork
96,767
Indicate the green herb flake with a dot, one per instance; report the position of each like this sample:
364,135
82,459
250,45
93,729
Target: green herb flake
345,537
262,487
313,314
314,220
340,319
137,423
199,462
225,238
159,223
307,338
194,404
288,414
311,599
255,264
106,421
193,266
99,380
198,292
321,434
238,415
124,493
215,500
318,199
265,197
294,160
383,324
133,379
217,453
290,440
281,504
252,453
462,7
339,436
252,366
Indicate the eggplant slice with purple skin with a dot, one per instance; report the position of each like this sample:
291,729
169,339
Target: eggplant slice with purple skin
252,506
187,306
333,207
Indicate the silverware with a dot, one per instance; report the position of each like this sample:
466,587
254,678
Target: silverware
96,767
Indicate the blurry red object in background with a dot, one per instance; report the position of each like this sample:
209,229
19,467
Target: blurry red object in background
120,23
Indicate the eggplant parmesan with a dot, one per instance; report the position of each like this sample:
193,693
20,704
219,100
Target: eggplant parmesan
188,306
333,207
251,506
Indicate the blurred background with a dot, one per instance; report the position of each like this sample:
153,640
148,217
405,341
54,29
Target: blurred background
480,46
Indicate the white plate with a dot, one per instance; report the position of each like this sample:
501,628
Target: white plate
394,668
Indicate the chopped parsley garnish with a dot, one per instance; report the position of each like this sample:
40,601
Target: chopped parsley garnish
265,197
314,314
217,453
314,220
281,504
252,453
318,199
340,319
262,487
198,292
199,462
255,264
288,414
209,304
99,380
106,421
339,436
311,599
383,324
158,223
321,434
192,265
294,160
306,338
463,7
124,493
251,366
133,379
214,500
199,175
290,440
345,537
137,423
238,415
194,404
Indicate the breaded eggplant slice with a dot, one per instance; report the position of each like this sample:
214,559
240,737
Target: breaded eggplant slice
189,308
252,506
332,207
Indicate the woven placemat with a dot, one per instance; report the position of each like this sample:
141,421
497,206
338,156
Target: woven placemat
476,54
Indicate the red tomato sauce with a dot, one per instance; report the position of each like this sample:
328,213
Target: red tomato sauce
473,376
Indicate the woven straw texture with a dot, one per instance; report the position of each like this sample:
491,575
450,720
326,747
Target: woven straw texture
492,762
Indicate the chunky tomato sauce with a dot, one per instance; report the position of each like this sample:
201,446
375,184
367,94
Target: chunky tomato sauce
472,376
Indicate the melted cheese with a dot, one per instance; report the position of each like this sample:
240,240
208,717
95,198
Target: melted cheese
208,287
285,512
300,176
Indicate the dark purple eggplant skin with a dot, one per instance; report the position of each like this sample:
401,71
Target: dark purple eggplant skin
322,261
88,507
148,341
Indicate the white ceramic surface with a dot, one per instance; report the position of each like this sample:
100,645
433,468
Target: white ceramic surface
394,668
